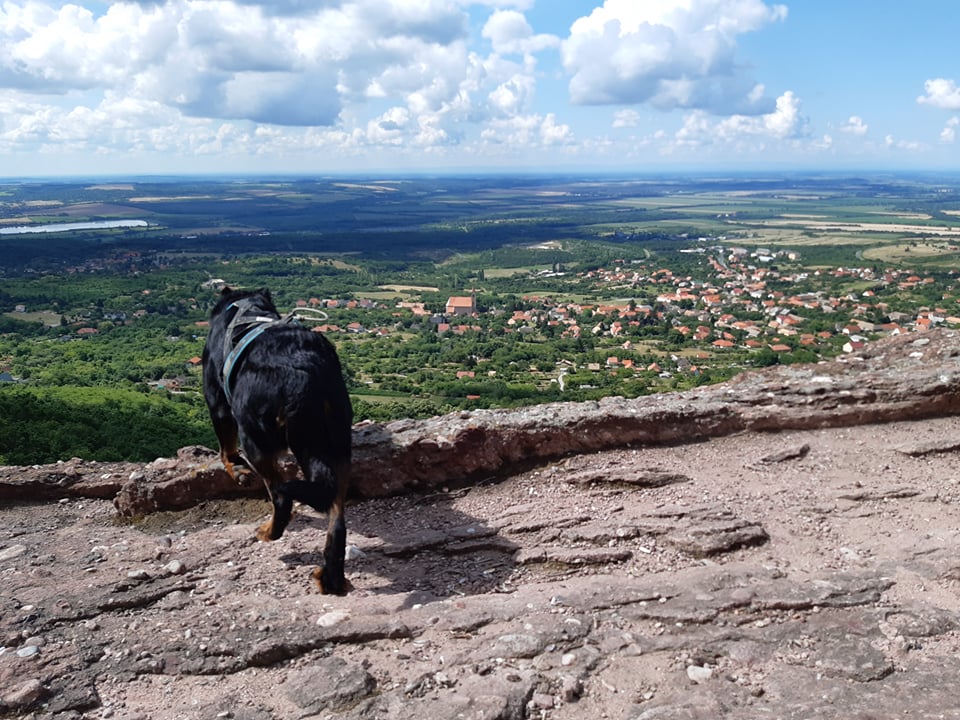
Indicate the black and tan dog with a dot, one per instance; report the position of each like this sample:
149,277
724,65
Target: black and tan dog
273,385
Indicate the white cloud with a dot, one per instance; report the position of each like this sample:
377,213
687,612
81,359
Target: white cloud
249,76
514,95
949,133
855,126
941,93
515,4
307,83
509,32
908,145
137,126
626,118
528,131
390,128
670,53
554,133
297,64
785,123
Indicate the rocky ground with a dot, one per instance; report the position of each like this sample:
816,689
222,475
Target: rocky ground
805,572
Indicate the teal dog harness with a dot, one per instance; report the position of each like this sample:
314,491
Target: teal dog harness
253,324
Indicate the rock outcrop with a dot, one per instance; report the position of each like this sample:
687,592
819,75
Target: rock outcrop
900,378
781,546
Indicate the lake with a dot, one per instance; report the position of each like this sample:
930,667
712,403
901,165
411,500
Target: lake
65,227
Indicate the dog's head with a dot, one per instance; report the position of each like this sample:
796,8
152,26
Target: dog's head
228,297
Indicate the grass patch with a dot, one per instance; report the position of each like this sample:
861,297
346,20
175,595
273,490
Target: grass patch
907,252
50,319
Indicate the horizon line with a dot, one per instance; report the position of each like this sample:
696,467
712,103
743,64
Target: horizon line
468,173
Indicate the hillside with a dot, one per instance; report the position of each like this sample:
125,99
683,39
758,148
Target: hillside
781,546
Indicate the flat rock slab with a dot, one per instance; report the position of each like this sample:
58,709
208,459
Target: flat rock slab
653,477
330,684
814,586
702,531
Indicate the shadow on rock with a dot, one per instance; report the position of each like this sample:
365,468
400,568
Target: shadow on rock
417,544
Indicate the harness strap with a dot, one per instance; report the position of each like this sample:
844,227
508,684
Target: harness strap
237,351
252,323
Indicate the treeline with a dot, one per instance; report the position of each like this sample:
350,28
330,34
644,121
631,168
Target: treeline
47,424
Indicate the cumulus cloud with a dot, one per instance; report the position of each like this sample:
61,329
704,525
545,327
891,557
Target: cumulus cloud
528,131
855,126
670,53
949,133
509,32
515,4
909,145
513,96
283,77
785,123
280,7
292,63
138,126
312,81
941,93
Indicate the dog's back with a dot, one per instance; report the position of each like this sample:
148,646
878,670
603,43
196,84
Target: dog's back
289,386
270,386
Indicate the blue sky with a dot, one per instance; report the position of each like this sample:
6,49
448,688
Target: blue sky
331,86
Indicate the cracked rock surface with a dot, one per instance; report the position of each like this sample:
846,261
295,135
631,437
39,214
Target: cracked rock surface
810,571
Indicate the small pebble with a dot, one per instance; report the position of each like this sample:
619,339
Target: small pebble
354,553
28,651
542,701
699,674
442,679
332,618
571,690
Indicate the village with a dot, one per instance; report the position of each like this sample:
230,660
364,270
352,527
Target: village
636,325
745,305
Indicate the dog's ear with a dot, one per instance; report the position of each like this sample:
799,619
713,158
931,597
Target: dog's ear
226,290
266,294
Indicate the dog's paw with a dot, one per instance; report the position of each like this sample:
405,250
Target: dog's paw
236,468
330,587
242,476
265,532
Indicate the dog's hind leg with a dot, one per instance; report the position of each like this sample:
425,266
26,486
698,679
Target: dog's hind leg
280,499
331,578
324,488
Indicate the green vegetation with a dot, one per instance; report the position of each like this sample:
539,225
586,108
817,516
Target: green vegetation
581,288
46,424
